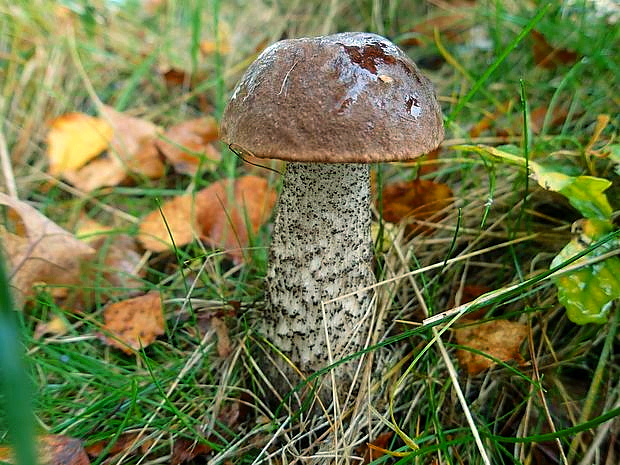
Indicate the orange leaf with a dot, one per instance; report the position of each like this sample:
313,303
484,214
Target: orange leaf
489,119
228,223
175,77
548,57
134,323
189,142
180,222
212,215
498,338
74,139
418,199
40,251
539,114
54,450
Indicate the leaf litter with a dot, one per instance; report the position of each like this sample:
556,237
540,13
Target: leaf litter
40,252
133,324
210,214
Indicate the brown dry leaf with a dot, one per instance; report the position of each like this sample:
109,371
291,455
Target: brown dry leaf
185,144
132,150
134,323
54,450
415,200
451,24
427,163
185,450
130,133
223,340
118,269
538,115
210,215
120,445
74,139
40,251
470,292
548,57
498,338
174,76
377,448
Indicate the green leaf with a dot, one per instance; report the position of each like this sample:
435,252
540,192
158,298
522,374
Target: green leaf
585,193
588,293
614,155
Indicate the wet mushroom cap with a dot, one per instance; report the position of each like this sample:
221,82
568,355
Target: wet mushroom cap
343,98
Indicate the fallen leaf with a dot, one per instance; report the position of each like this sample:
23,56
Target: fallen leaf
451,24
54,450
180,222
187,144
236,412
40,251
219,43
130,133
121,443
209,47
175,77
185,450
489,119
415,200
378,447
498,338
427,163
74,139
56,326
548,57
131,150
134,323
211,215
223,340
585,193
118,269
470,292
539,114
229,224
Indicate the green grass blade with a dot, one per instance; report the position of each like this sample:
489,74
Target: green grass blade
511,46
15,385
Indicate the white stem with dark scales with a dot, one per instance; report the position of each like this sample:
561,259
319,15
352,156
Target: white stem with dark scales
321,249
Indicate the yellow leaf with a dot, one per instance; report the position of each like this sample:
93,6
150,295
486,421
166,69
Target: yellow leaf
74,139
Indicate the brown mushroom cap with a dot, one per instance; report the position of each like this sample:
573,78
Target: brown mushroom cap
345,98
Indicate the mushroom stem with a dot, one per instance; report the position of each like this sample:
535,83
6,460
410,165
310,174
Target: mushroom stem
321,250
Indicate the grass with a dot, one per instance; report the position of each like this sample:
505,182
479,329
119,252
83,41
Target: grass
560,406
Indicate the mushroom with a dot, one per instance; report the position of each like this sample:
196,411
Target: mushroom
329,106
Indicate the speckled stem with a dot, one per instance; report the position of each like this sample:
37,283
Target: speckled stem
321,249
